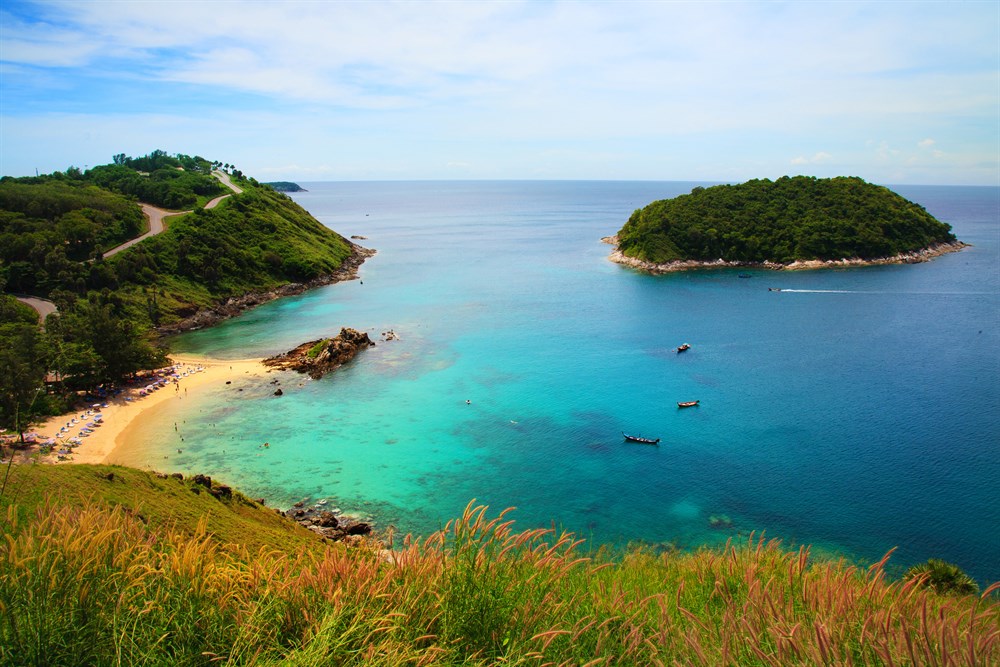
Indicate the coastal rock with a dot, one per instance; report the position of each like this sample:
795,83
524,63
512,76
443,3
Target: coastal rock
358,528
327,519
319,357
221,491
203,480
331,526
278,392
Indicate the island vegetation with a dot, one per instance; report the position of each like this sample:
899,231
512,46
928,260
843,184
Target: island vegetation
56,229
775,223
106,565
285,186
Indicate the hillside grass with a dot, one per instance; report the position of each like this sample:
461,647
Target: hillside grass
161,503
87,580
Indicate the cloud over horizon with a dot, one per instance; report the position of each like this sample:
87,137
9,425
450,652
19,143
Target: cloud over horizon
706,91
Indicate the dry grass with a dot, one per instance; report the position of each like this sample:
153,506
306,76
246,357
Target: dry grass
98,586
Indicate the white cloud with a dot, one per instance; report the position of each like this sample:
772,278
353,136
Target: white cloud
817,158
656,89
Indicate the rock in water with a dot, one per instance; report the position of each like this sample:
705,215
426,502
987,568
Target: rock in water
319,357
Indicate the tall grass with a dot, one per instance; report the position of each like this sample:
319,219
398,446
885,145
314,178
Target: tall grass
96,586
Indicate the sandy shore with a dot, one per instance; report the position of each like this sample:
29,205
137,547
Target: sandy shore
124,409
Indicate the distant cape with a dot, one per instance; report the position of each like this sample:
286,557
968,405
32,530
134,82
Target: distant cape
286,186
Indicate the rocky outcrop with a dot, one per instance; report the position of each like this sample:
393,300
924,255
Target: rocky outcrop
329,524
238,304
319,357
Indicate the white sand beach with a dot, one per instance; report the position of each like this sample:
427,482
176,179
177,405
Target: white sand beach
117,414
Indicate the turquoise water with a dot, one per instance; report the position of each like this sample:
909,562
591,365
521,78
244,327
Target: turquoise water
857,410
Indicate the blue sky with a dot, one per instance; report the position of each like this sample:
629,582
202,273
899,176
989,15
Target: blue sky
894,92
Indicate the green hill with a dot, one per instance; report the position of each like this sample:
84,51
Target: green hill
783,221
55,229
102,565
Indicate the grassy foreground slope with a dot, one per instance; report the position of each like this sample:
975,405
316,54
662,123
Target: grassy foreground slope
800,218
87,578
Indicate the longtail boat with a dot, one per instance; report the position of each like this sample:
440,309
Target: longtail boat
636,438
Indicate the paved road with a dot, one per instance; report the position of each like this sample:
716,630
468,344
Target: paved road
42,307
224,177
156,215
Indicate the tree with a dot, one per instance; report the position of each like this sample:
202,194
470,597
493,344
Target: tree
22,375
943,577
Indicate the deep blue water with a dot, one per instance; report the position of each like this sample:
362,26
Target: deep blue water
857,410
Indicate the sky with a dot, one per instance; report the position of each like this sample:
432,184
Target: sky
894,92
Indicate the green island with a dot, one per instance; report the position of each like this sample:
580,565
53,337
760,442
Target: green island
285,186
103,565
793,222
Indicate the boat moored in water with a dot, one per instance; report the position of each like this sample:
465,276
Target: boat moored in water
687,404
637,438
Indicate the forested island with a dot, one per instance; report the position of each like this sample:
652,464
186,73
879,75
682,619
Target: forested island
793,222
57,235
286,186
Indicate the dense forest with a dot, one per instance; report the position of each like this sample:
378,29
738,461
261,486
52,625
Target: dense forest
55,229
799,218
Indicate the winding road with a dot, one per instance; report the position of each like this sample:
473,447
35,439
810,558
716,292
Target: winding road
43,307
155,215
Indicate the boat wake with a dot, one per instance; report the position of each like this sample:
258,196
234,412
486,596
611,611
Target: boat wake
826,291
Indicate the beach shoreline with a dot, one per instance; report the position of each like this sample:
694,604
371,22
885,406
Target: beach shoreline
914,257
120,414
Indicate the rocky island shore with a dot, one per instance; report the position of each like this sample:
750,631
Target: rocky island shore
913,257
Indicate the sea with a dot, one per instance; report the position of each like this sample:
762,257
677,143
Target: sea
856,410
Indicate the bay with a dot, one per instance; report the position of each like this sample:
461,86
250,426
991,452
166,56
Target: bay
854,411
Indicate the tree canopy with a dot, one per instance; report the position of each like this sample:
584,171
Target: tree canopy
792,218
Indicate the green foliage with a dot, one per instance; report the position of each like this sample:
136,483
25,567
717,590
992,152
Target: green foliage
168,181
781,221
22,374
12,310
49,226
317,348
943,577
